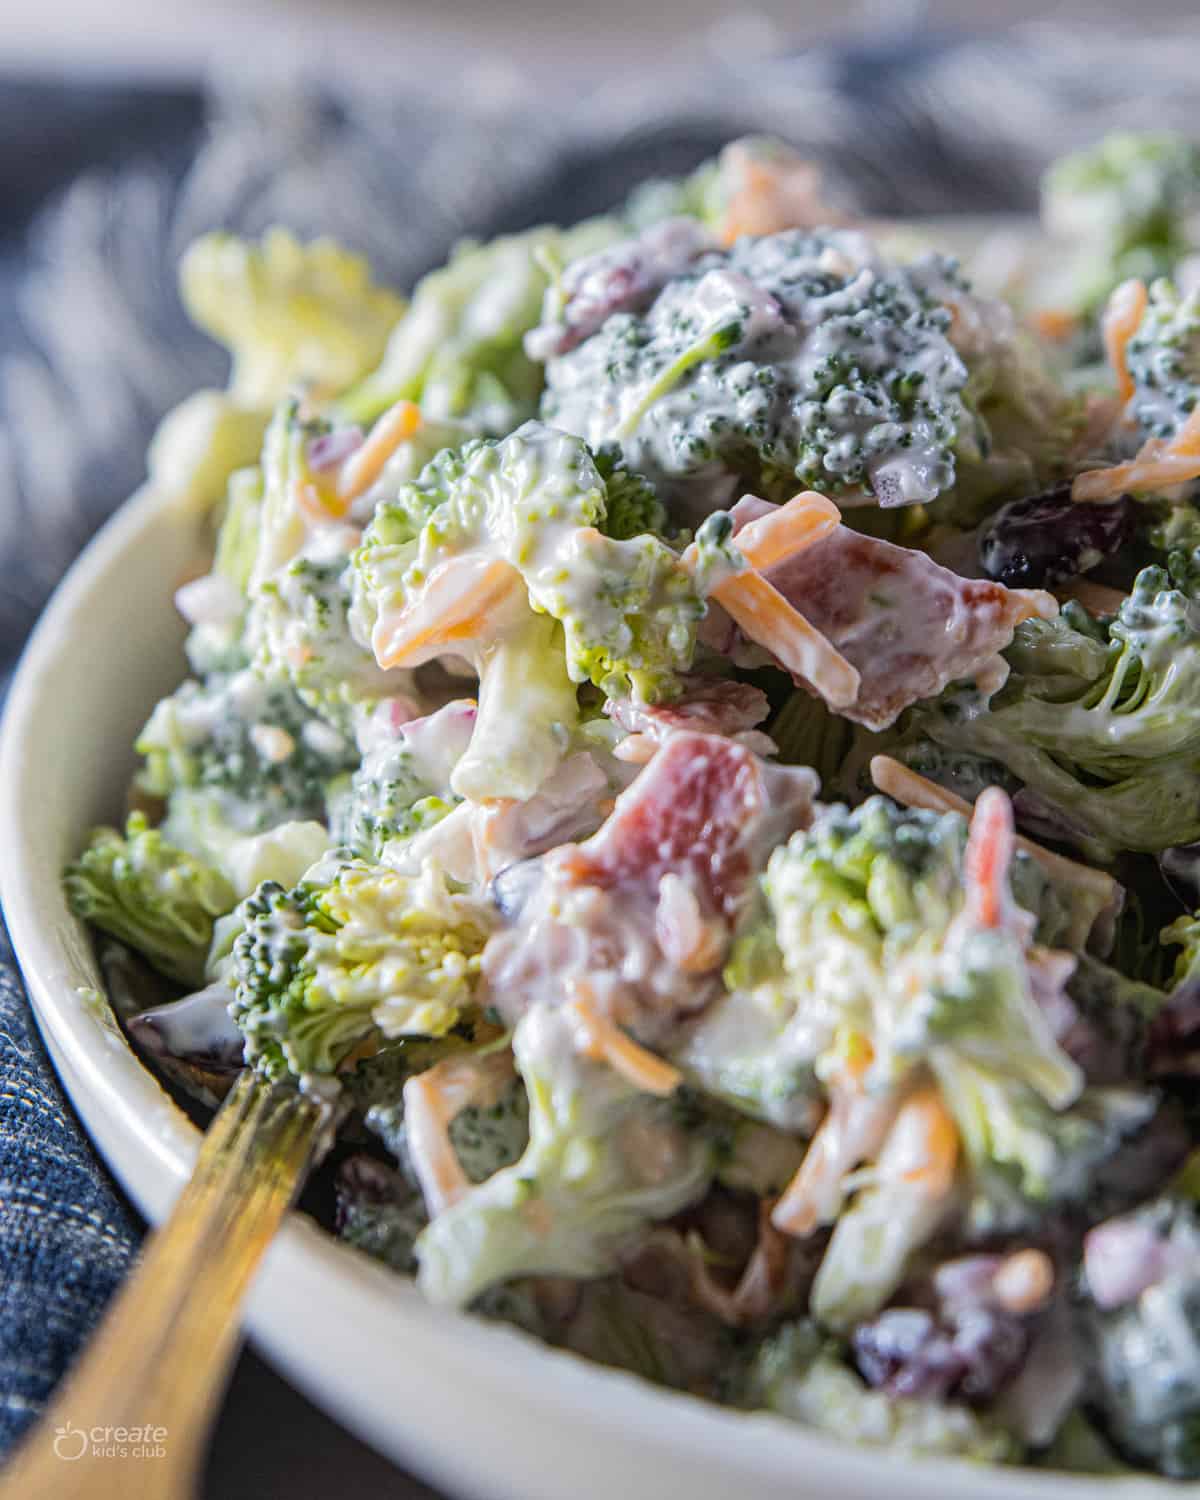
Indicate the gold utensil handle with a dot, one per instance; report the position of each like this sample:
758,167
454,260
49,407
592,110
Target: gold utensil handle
130,1420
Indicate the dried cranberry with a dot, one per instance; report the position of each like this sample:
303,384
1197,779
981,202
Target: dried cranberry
970,1352
1048,538
904,1352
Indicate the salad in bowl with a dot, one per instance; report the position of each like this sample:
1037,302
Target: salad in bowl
689,749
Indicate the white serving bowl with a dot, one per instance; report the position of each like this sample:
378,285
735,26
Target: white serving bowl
480,1409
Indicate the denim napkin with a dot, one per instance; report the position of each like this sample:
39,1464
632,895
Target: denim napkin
104,184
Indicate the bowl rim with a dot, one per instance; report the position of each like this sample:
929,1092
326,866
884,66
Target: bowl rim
507,1389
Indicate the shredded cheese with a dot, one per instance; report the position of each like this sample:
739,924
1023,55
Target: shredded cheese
1120,322
913,790
988,855
604,1042
805,519
461,601
1055,323
1158,465
427,1117
765,616
1146,472
365,464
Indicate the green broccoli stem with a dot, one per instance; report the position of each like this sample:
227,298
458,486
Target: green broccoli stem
527,711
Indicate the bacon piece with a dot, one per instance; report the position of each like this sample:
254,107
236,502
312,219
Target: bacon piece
701,812
908,625
622,278
707,705
642,912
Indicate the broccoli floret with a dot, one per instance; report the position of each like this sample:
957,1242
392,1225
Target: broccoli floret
850,907
388,801
237,537
485,1137
1139,1313
869,911
299,628
630,505
458,349
288,312
801,1374
200,443
518,522
751,1048
380,1212
1177,528
1163,358
151,895
579,1194
251,744
402,786
806,359
1129,203
347,956
1105,731
286,472
1026,1156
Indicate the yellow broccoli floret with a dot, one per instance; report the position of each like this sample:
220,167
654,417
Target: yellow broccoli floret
287,312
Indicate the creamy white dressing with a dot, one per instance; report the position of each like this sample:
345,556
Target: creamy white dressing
737,349
908,625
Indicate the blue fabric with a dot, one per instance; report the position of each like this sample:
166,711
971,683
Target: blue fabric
103,185
66,1233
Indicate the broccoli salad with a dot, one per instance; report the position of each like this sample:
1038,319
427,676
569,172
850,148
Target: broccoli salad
692,749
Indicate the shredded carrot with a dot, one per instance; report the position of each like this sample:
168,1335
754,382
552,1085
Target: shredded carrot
766,617
913,790
604,1042
854,1127
803,520
1055,323
1120,322
1139,474
1033,604
432,1100
454,607
365,464
1157,465
772,195
924,1128
1097,598
427,1119
988,856
317,505
1186,441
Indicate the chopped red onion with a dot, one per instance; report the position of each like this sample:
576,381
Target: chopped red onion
211,600
1122,1258
331,449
